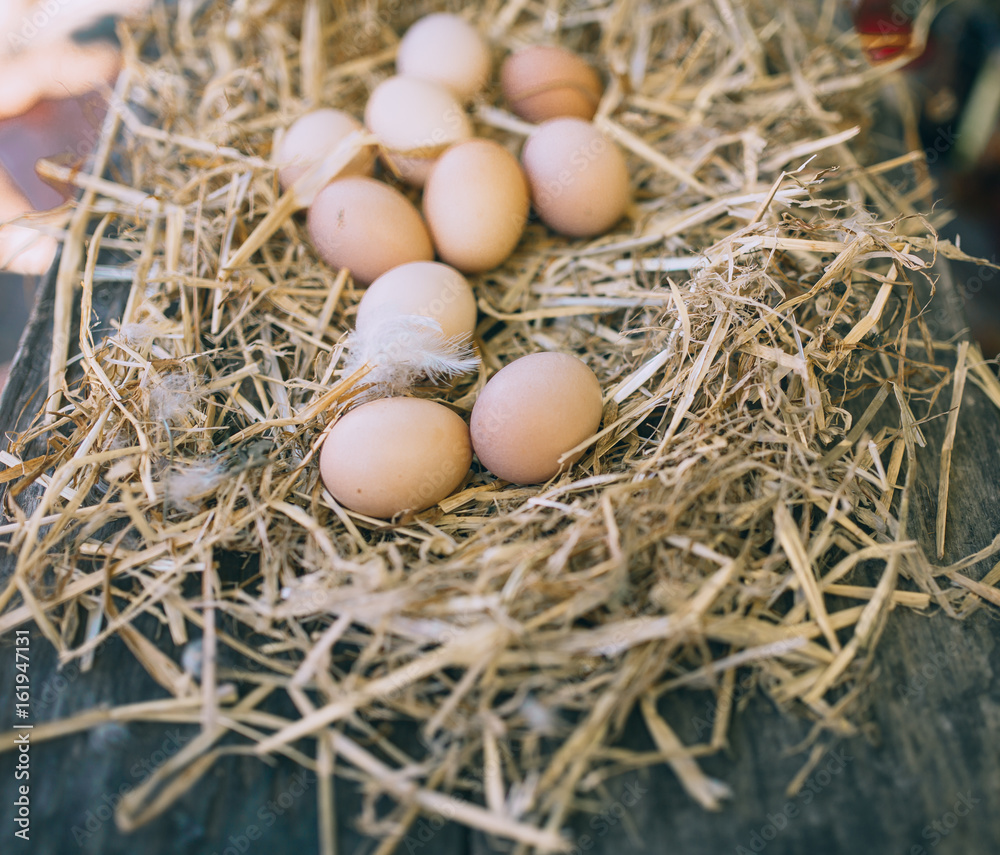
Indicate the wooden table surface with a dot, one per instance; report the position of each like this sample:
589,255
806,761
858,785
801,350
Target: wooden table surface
923,776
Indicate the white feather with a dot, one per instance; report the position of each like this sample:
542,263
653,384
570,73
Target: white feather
184,485
402,350
172,398
136,335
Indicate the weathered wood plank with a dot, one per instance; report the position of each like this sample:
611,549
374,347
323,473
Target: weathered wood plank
931,743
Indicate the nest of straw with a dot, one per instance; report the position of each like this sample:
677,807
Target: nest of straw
756,311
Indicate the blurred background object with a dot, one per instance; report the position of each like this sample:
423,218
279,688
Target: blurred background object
959,90
56,56
885,29
955,83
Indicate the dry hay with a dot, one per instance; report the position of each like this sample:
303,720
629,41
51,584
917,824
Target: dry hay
718,519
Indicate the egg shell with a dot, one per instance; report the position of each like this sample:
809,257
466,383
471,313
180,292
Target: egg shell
426,288
312,137
578,177
476,205
531,412
544,81
448,50
415,121
394,455
366,226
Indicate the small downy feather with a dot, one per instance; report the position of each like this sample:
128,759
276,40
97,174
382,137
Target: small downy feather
185,484
171,396
403,350
136,335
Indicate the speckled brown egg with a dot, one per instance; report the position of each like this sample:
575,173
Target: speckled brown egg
312,137
426,288
366,226
395,455
533,411
544,81
476,204
415,121
578,177
448,50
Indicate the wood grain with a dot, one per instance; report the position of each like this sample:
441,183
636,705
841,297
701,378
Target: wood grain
929,753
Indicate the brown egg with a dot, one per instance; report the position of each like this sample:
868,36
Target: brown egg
425,288
312,137
366,226
448,50
415,121
476,205
394,455
542,82
533,411
578,177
